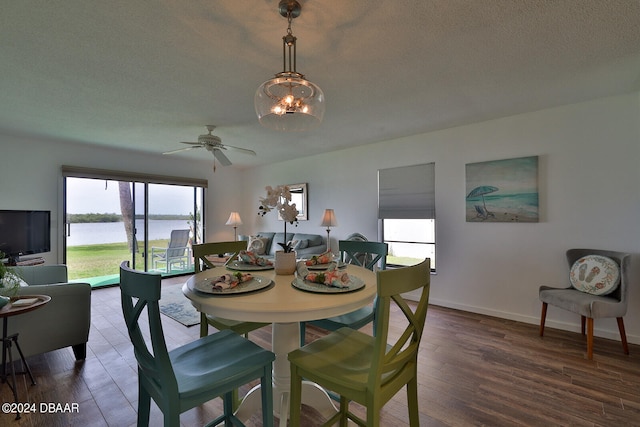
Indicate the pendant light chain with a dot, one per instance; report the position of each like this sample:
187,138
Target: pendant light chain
289,40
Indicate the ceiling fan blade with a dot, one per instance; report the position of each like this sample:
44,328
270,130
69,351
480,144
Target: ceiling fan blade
191,143
241,150
224,161
181,149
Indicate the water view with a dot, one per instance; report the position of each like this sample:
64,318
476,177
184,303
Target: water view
91,233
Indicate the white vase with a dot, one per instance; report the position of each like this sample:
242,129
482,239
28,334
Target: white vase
285,263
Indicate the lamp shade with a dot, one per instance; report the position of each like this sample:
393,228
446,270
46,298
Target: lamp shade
234,219
329,218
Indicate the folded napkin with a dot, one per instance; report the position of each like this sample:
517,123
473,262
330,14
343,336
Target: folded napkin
324,258
329,277
250,257
229,281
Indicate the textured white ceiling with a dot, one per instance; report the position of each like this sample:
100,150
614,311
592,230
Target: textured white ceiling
148,74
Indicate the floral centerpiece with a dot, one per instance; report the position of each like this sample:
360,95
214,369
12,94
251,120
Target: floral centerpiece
279,198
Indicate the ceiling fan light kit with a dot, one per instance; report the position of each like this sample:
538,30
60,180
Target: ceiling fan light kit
289,102
214,144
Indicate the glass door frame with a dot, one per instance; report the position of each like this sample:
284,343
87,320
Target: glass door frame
196,219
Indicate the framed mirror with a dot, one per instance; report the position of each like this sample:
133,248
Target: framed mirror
299,197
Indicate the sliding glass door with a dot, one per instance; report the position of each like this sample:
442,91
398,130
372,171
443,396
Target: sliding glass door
171,228
151,225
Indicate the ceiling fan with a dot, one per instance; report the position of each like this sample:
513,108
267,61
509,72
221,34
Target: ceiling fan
214,144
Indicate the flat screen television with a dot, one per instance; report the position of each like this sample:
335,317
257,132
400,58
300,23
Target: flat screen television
24,232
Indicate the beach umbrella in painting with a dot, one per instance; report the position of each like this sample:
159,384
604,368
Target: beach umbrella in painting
481,191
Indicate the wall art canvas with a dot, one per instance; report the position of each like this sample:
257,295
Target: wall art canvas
502,190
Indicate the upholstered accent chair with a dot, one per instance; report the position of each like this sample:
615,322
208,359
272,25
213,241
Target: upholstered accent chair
607,297
63,322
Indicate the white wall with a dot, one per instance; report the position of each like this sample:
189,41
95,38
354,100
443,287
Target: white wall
30,174
588,182
589,197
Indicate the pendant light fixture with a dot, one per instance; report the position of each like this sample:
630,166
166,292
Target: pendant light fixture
289,102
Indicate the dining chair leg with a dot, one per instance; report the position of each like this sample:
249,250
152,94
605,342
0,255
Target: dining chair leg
228,404
204,325
171,419
144,406
303,333
344,410
590,338
295,399
373,417
543,317
412,401
623,335
582,322
267,398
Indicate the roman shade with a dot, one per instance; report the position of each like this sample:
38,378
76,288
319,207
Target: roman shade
407,192
81,172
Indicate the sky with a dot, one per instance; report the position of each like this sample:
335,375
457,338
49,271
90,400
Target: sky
510,176
100,196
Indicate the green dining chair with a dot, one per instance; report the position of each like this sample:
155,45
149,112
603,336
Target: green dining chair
192,374
365,369
365,254
200,253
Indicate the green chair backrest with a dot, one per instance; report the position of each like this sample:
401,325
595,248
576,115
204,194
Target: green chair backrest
215,248
137,291
398,360
365,254
177,243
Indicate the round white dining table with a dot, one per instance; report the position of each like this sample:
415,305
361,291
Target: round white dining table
285,306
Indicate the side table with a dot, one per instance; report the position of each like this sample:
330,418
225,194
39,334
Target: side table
16,307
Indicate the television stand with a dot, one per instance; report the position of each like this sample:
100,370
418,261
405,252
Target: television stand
29,261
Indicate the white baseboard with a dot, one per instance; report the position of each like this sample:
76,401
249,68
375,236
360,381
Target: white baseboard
604,333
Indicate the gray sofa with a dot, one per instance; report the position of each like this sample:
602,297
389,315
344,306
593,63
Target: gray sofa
63,322
310,244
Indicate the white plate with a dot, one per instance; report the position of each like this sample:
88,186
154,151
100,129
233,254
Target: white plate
205,285
241,266
354,284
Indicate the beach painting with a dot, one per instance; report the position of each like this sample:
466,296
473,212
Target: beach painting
502,190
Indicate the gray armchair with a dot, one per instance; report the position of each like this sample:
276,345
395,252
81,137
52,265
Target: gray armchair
63,322
589,306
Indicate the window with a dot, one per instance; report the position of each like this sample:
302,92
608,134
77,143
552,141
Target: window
410,241
112,216
406,209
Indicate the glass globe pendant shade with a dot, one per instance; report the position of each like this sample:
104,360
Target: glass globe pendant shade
289,102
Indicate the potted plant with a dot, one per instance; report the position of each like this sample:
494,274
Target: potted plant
279,198
9,282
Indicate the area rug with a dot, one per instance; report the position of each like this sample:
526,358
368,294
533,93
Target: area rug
174,304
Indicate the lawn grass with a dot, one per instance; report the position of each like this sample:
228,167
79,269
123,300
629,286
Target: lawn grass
406,261
102,259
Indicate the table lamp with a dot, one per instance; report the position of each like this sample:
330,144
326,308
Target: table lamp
329,220
234,219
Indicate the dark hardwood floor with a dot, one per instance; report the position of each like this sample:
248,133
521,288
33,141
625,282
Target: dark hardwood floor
474,370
